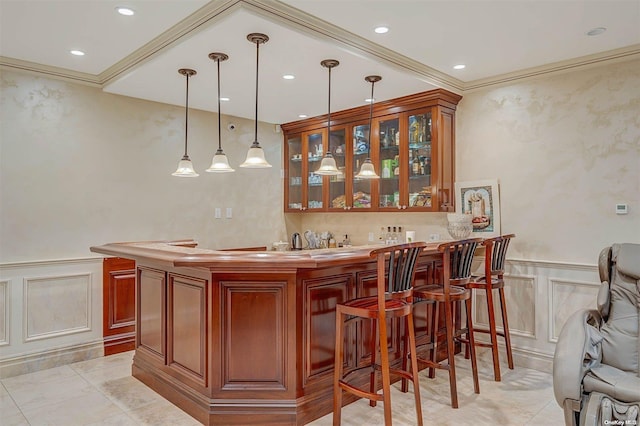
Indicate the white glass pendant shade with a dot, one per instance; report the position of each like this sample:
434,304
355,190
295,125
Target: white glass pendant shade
185,168
255,158
328,166
367,171
220,163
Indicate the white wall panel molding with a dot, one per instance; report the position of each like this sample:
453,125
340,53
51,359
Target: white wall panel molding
550,264
56,305
565,297
50,262
5,312
520,294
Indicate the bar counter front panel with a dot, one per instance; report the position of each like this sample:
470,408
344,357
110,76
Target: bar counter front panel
240,338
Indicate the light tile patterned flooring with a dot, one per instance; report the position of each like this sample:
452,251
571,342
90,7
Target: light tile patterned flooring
102,392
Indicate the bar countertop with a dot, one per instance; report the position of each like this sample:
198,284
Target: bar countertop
185,253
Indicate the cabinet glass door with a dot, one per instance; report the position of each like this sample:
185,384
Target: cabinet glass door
294,193
389,165
419,166
337,187
361,187
314,151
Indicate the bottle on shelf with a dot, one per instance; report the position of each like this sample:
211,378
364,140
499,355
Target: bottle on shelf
399,235
415,163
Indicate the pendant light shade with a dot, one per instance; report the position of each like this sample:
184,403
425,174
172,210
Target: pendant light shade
220,163
185,167
255,156
328,166
367,170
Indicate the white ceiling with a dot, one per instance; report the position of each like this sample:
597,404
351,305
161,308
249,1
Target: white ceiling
139,56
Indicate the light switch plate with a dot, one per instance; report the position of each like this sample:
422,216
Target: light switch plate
229,213
218,213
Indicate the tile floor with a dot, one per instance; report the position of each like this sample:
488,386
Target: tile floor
62,395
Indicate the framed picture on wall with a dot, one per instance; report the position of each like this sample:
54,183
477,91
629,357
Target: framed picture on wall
481,199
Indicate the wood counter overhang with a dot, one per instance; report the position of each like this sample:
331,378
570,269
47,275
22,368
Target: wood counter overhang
248,337
183,253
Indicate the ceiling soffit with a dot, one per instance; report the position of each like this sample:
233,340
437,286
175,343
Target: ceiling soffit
290,17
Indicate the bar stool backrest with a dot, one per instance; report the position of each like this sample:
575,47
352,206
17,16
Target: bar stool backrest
497,249
399,261
457,259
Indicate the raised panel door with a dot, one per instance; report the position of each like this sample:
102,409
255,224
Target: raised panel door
187,327
119,304
321,297
151,311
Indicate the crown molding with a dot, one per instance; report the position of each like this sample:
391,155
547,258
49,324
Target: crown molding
312,26
281,13
611,56
188,27
50,71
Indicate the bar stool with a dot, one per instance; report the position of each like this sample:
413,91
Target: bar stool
393,300
495,255
457,258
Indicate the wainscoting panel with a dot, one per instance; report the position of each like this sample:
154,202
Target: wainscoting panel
5,312
70,298
520,293
565,293
50,313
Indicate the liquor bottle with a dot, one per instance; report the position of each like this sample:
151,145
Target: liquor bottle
415,163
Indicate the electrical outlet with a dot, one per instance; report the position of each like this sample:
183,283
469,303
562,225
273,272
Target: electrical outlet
229,213
218,213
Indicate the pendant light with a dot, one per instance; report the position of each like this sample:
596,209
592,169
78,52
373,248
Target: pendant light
367,171
185,167
328,165
220,163
255,156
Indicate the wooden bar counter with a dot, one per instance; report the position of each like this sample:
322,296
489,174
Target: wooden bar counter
247,337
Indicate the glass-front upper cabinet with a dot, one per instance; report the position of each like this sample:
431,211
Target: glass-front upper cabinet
419,160
361,188
294,175
337,184
389,167
315,151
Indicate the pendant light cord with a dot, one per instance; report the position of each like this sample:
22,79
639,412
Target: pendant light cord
329,114
186,117
219,116
257,61
370,121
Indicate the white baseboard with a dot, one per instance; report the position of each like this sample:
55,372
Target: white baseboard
49,358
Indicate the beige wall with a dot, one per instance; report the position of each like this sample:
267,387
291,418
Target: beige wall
565,149
80,167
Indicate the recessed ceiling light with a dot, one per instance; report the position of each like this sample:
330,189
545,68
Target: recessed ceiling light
596,31
302,115
224,99
459,67
381,30
369,100
125,11
77,52
288,76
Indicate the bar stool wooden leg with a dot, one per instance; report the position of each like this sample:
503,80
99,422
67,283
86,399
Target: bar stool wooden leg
493,335
448,318
472,348
434,338
414,367
505,325
337,369
372,380
386,377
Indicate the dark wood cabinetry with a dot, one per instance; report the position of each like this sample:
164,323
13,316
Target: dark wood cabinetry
118,305
249,337
412,147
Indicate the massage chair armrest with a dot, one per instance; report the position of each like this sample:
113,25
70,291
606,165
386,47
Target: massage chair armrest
577,350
